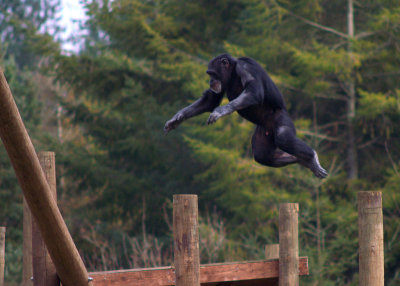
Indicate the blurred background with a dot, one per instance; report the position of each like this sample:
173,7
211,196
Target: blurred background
95,82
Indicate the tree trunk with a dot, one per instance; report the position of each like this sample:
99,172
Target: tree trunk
351,102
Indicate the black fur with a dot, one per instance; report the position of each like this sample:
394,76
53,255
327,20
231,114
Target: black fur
252,93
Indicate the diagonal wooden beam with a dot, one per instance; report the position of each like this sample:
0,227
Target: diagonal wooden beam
37,193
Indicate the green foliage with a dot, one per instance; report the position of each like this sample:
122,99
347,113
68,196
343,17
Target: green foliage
374,104
149,60
20,22
144,60
392,226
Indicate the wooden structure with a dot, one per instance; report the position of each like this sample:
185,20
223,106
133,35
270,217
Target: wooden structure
370,235
253,273
27,267
44,271
289,245
37,192
188,271
2,253
186,240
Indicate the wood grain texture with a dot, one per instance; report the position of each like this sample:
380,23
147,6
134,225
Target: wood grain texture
186,240
32,180
44,271
27,267
137,277
210,274
2,253
370,234
288,245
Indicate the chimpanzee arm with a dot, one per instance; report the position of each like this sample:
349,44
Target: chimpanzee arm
251,95
207,102
247,98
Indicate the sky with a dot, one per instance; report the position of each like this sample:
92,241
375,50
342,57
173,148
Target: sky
71,10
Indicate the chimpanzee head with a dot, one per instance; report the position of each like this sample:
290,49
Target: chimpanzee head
220,69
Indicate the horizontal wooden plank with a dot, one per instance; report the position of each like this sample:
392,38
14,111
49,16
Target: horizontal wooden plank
256,282
247,270
135,277
209,273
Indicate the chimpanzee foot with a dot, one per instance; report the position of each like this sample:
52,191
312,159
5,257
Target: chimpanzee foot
316,167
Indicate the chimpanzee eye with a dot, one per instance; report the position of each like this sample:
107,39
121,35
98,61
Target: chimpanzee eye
225,61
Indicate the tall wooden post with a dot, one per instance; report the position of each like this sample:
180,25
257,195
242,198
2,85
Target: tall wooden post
370,235
2,253
62,249
288,245
44,271
186,240
27,267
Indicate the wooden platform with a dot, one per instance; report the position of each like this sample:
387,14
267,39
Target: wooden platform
246,273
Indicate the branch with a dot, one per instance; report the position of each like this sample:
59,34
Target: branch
328,29
332,124
319,95
365,34
366,144
391,159
319,26
384,74
336,97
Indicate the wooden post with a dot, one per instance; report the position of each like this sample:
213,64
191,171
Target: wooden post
288,245
27,270
272,251
370,235
186,240
62,249
44,271
2,253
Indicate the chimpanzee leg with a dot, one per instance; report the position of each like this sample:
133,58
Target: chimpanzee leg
285,139
265,151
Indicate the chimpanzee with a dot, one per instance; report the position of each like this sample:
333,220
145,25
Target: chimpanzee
252,93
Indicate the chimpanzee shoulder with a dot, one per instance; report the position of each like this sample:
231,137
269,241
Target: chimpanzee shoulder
248,69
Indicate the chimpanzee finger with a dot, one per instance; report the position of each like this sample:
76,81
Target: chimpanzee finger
212,119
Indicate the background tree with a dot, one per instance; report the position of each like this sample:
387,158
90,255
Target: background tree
143,60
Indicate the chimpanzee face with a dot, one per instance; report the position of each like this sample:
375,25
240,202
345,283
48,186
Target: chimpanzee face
219,72
215,83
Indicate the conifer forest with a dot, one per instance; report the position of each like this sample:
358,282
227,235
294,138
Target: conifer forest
102,106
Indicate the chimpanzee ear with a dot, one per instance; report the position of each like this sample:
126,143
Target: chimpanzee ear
225,62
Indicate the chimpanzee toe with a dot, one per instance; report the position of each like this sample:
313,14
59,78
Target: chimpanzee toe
317,169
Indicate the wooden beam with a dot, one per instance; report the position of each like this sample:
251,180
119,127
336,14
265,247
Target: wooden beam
209,273
44,271
137,277
370,235
27,268
2,253
186,240
32,180
288,245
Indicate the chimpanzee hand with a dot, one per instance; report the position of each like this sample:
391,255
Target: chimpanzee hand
173,122
215,115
